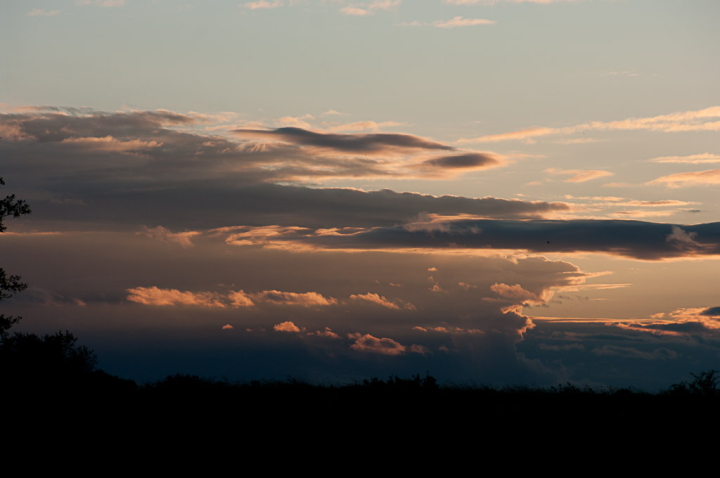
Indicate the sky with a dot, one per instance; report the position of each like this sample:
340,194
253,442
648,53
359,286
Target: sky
503,192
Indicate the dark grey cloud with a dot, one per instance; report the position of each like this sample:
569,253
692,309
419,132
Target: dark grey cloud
463,161
131,168
349,143
711,312
637,239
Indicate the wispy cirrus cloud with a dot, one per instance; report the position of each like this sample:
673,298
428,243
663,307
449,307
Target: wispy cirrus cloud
39,12
710,177
365,9
462,22
704,158
579,175
493,2
707,119
689,321
263,4
102,3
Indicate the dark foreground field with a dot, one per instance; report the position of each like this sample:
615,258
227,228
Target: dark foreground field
50,383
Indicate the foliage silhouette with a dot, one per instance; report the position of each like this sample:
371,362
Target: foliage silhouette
704,385
10,285
29,360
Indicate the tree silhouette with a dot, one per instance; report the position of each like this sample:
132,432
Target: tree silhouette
29,360
9,285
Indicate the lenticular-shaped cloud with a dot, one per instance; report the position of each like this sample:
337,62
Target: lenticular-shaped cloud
359,143
463,161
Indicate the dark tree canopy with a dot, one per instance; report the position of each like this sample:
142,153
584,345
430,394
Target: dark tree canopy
9,285
11,207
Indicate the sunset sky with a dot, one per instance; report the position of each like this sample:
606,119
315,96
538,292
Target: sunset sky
492,191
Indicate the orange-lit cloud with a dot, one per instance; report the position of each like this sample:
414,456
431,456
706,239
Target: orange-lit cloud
462,22
703,158
697,178
160,297
240,299
368,343
579,175
382,301
326,333
305,299
110,144
354,11
286,327
517,293
707,119
262,4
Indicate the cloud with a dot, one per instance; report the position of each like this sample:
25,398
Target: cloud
286,327
703,158
711,312
156,167
517,294
385,4
227,327
629,352
697,178
38,12
354,11
333,112
699,120
695,321
493,2
462,22
361,126
368,343
162,234
463,161
328,333
378,143
240,299
579,175
102,3
236,299
371,8
110,144
263,4
376,299
636,239
305,299
162,297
